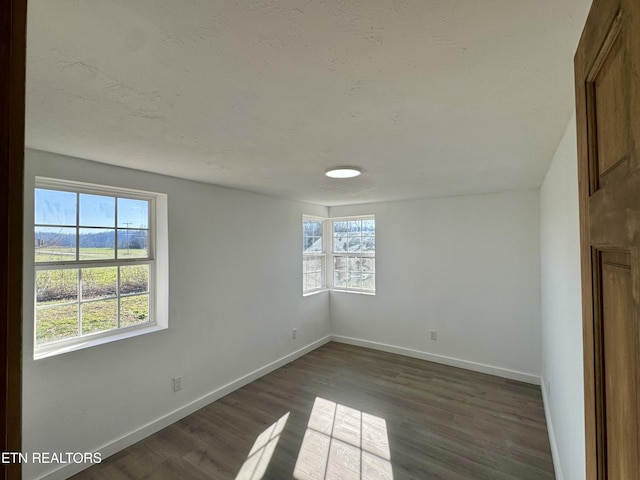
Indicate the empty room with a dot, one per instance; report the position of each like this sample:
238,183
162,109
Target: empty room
330,239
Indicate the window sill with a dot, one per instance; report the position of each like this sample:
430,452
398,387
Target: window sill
66,346
339,290
358,292
315,292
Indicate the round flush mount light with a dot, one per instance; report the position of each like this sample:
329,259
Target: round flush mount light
343,172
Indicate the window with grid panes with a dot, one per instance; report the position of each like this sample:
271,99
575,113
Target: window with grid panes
354,254
95,263
313,255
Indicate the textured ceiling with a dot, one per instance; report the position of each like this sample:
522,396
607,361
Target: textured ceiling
429,97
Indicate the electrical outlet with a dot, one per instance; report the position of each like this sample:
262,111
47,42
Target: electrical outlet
294,333
434,335
177,384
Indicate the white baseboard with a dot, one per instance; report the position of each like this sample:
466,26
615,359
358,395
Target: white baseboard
432,357
144,431
552,435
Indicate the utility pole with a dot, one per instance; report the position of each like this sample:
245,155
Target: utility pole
127,224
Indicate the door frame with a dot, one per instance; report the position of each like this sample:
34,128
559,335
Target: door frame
13,22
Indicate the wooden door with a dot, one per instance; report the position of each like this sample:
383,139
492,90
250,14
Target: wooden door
607,71
13,21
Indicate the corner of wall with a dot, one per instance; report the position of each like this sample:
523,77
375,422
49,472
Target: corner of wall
561,309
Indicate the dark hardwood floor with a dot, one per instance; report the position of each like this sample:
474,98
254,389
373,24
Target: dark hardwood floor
441,423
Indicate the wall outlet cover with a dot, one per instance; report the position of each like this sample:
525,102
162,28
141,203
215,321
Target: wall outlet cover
177,384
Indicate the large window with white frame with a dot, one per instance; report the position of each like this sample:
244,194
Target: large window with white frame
95,263
354,254
339,254
313,255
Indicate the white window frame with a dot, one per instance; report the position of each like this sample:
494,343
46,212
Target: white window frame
328,255
322,255
333,254
157,260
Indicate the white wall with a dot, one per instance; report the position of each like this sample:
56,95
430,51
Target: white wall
561,309
467,267
235,294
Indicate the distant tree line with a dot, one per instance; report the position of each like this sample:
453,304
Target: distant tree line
135,239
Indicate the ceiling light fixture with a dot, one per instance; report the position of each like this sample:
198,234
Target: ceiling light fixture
343,172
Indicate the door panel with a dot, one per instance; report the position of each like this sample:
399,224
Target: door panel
619,354
611,109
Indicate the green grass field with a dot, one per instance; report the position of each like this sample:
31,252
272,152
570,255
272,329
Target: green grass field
59,322
61,298
58,254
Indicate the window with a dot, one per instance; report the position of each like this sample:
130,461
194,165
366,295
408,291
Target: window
354,254
96,270
313,255
352,251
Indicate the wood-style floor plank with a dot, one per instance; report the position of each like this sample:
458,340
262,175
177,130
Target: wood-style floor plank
442,423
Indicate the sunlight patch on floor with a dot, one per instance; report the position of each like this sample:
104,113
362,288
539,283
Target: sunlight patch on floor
342,442
260,455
